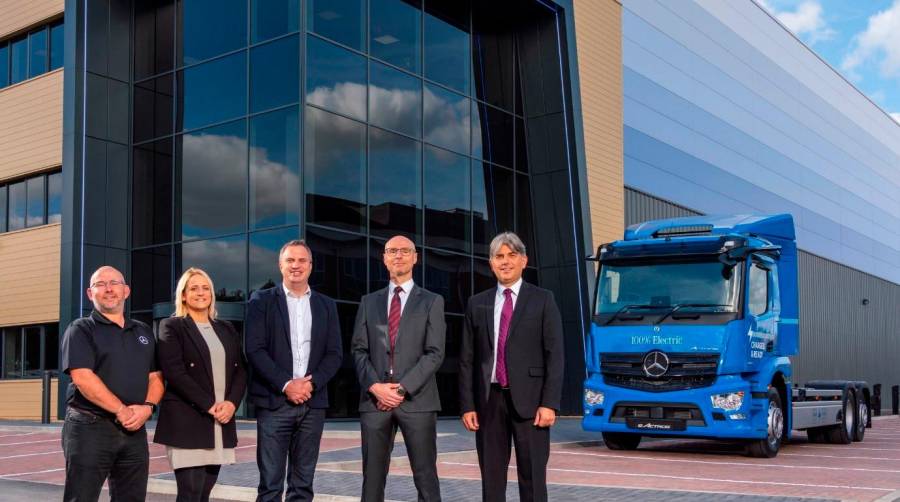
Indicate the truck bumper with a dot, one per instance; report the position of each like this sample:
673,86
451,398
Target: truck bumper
679,413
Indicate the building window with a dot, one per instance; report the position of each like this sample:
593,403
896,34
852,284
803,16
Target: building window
28,351
31,202
31,55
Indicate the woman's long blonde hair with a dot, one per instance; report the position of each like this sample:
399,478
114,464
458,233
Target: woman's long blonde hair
181,309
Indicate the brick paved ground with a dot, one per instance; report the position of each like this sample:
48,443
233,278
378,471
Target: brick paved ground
580,467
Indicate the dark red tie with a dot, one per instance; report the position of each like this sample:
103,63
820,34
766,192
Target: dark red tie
394,317
505,317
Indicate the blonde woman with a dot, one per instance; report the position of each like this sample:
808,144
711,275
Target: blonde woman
202,363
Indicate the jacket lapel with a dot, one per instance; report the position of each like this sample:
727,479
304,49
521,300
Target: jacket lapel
520,308
193,334
281,300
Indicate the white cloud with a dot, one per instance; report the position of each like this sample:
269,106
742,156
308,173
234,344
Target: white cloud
806,21
878,43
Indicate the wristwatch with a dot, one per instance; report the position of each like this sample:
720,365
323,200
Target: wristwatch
401,391
151,405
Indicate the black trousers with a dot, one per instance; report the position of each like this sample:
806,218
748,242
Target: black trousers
96,448
500,427
288,435
379,428
196,483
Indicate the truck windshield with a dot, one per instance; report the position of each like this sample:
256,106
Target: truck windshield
646,288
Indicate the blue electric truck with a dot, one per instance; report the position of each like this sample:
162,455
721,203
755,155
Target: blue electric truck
693,326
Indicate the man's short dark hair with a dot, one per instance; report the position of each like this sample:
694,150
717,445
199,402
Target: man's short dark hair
295,242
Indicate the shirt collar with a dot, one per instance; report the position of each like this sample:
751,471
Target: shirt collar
290,294
515,288
407,286
102,319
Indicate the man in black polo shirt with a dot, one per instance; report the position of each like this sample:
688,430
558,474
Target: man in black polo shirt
115,387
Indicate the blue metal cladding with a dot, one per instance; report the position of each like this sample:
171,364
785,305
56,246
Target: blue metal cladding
715,120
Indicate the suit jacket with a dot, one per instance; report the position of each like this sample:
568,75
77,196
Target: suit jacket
418,350
267,343
534,352
186,365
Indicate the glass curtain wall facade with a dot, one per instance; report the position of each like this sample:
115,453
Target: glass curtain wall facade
344,123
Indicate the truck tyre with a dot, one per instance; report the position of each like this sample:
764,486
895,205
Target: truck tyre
817,434
768,447
621,440
862,417
842,433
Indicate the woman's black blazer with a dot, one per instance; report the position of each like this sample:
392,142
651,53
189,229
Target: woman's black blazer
185,363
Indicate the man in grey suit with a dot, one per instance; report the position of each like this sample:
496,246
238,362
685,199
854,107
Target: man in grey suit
398,346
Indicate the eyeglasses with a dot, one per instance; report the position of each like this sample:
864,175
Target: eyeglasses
400,251
107,284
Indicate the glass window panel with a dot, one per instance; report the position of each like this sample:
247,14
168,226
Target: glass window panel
492,55
275,169
395,185
151,194
395,100
271,18
339,263
208,28
36,201
493,192
335,78
3,209
448,212
212,180
37,45
334,170
54,198
275,74
17,206
521,147
151,277
154,35
492,135
449,275
153,108
213,92
51,352
342,21
4,64
343,389
378,274
484,277
19,60
224,259
57,45
396,32
524,217
264,247
31,364
12,353
447,51
446,119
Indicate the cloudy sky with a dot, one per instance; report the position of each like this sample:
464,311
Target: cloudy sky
859,38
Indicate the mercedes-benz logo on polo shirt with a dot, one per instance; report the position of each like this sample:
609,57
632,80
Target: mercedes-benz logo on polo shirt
656,364
143,339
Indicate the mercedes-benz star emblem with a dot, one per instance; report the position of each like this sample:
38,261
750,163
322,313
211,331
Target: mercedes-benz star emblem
656,364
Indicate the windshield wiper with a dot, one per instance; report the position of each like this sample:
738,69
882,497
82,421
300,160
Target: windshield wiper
629,307
676,308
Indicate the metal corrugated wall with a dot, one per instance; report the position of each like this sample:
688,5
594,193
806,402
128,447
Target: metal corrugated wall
840,336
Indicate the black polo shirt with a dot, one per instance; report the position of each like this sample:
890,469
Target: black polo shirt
121,357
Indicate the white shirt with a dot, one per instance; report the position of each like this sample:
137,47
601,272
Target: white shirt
499,299
404,295
300,316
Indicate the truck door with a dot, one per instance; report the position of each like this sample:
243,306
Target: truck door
762,309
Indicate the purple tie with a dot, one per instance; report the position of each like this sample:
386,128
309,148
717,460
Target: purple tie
505,317
394,317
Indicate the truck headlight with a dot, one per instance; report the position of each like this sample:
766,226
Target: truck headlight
728,402
593,398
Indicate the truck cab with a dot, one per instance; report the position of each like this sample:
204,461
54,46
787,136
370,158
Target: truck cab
693,326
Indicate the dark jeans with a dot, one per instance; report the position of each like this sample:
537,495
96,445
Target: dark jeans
196,483
96,448
288,435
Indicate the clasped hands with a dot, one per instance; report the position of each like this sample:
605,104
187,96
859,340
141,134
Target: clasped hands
543,417
222,411
386,395
299,390
132,417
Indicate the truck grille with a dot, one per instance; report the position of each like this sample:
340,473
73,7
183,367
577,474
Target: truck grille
687,370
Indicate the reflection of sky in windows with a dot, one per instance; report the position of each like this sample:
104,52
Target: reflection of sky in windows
335,156
340,21
446,53
274,74
17,205
395,100
211,27
396,28
336,78
394,169
264,247
274,169
271,18
214,91
224,260
446,119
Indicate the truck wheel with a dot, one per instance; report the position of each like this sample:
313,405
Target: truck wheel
621,440
768,447
842,433
862,418
817,434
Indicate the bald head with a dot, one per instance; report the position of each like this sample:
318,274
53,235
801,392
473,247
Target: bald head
107,270
108,291
399,258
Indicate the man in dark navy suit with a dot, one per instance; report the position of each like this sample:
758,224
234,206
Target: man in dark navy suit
293,344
